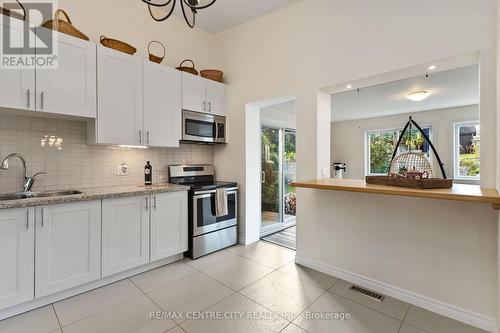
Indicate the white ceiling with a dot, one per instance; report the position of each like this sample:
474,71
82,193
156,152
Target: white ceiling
224,14
451,88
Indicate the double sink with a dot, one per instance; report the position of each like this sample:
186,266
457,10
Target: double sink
30,195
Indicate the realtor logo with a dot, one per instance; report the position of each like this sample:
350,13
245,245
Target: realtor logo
24,43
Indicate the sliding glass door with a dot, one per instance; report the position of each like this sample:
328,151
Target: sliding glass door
278,171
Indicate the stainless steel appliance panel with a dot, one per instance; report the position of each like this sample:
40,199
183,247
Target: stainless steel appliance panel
204,219
202,127
205,244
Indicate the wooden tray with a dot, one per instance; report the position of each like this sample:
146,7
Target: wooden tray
410,183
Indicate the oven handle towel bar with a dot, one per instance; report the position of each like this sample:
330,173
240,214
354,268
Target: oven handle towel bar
221,207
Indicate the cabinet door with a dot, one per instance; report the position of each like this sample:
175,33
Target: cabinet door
119,98
71,88
162,105
17,256
194,92
17,86
169,225
216,98
125,234
68,243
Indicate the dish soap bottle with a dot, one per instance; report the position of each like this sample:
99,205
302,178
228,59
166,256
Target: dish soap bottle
148,174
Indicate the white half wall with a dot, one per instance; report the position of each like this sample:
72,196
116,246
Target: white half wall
437,254
349,137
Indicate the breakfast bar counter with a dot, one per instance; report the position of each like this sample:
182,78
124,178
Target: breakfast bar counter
433,248
459,192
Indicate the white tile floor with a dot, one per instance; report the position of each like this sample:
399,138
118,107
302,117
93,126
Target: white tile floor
242,289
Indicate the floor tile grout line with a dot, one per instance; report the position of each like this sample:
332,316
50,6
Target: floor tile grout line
57,317
162,286
404,318
265,307
147,296
421,329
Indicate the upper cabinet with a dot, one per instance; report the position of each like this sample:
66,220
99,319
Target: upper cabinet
17,86
203,95
71,88
162,105
119,98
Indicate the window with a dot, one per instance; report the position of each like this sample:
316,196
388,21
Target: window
467,150
380,146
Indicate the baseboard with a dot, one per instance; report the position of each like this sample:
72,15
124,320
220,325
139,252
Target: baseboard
439,307
39,302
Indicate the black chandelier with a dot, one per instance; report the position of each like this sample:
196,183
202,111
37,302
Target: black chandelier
186,5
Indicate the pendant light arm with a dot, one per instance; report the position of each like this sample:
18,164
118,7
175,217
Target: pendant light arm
191,25
157,4
200,7
165,17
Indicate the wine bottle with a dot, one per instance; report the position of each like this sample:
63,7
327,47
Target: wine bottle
148,174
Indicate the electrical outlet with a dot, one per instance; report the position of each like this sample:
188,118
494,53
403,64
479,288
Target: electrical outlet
122,170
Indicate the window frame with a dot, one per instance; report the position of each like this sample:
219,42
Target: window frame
456,152
367,152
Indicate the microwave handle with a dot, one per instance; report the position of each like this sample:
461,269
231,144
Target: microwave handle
216,131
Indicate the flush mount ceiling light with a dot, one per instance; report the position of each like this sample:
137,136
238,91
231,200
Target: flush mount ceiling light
186,5
432,67
419,96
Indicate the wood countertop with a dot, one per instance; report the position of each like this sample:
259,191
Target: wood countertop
459,192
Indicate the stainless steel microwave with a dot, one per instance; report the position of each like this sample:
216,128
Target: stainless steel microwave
203,127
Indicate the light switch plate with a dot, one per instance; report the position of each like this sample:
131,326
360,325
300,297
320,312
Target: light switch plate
122,170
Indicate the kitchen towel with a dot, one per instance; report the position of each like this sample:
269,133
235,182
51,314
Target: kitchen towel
221,202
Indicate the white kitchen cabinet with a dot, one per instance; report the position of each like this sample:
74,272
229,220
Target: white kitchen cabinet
162,105
17,86
68,243
17,257
71,88
119,98
125,234
216,98
203,95
169,224
194,93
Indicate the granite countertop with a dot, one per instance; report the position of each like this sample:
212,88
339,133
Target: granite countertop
97,193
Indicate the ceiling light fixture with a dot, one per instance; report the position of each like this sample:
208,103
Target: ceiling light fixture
432,67
419,96
186,5
348,86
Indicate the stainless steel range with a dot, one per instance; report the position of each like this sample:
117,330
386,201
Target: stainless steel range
213,208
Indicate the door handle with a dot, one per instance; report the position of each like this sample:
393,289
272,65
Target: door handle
209,106
28,219
140,136
155,202
28,98
147,137
147,203
42,100
42,216
204,105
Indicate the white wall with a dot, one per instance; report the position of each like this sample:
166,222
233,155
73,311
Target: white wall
130,22
317,43
349,145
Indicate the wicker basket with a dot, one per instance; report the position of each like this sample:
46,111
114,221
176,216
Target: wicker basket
14,14
117,45
212,74
64,26
410,161
154,58
191,69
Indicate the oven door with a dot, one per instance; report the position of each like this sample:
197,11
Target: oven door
204,219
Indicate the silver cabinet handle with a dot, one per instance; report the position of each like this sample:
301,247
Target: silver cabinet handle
28,219
42,216
28,98
42,100
147,137
204,106
140,136
147,203
209,106
155,202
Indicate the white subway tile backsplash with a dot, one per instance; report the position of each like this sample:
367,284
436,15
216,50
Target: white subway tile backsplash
59,148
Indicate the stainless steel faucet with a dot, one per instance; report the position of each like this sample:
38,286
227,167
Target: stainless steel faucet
28,181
